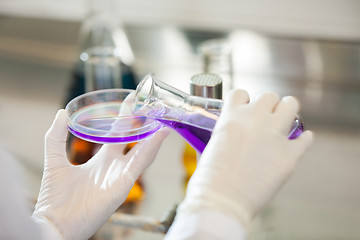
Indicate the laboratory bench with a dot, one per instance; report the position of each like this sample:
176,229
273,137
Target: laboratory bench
322,199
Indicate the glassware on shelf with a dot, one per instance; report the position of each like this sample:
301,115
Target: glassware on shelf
216,57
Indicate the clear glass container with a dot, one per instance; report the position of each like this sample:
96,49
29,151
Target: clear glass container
192,117
105,116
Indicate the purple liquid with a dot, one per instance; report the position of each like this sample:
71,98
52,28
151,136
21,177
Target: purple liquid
113,129
109,139
297,128
197,137
197,128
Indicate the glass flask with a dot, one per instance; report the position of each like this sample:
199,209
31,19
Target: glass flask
190,116
203,85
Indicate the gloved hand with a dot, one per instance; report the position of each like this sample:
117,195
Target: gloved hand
74,201
248,158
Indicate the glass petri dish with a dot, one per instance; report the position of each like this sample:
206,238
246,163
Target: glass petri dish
105,116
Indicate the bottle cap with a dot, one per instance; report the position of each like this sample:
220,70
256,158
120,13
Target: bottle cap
206,85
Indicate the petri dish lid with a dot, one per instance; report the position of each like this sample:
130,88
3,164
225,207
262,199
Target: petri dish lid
105,116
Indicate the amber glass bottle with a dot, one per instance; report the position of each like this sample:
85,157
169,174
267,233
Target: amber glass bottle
80,151
137,191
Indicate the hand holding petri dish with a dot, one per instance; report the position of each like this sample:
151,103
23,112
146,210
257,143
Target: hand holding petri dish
105,116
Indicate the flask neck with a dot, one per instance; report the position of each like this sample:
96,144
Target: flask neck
152,93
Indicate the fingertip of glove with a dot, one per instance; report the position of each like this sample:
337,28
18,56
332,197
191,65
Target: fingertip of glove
306,138
290,102
309,135
290,99
61,116
61,112
238,96
58,129
268,97
162,133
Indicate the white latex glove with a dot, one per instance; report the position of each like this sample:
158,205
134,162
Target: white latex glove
74,201
248,158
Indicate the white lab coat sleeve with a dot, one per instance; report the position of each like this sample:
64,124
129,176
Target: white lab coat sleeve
205,224
15,220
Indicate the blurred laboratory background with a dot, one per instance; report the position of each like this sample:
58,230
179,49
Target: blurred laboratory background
309,49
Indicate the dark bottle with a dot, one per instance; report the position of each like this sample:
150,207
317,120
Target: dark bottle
105,55
105,61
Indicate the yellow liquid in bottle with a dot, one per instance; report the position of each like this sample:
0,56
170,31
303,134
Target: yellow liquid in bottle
189,162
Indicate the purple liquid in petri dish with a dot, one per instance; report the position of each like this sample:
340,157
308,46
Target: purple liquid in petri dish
109,139
110,129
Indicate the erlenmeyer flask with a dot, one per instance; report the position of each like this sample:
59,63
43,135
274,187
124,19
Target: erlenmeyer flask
190,116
